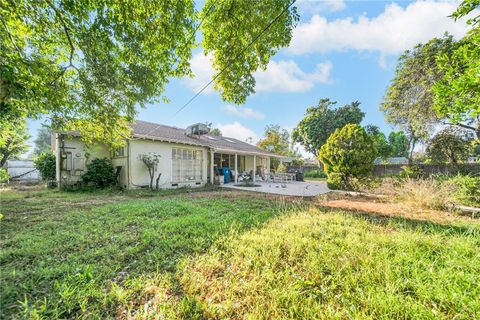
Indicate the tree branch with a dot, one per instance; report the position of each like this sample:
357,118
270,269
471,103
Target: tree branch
69,38
460,125
20,54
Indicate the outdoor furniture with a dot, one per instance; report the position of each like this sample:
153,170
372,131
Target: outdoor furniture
283,177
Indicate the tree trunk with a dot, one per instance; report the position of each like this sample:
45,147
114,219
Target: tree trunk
151,172
411,144
4,159
157,182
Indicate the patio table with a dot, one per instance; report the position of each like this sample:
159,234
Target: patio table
283,177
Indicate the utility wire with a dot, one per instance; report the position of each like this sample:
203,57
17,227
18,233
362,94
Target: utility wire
178,56
236,57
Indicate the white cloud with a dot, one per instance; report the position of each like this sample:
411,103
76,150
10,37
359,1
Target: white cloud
396,29
283,76
238,131
286,76
246,113
203,72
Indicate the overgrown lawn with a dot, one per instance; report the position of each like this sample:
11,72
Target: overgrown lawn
227,255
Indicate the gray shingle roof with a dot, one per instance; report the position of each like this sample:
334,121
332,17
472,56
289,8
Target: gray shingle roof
155,131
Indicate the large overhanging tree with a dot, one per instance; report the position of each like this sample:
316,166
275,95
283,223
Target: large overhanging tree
90,64
408,102
457,93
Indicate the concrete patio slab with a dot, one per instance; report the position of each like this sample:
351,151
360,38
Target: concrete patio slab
296,188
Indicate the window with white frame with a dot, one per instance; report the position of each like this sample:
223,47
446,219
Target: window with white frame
186,165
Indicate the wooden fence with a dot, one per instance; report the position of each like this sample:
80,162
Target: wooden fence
428,169
395,169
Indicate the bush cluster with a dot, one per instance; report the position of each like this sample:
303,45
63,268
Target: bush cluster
315,173
467,190
4,176
100,173
348,154
45,164
435,192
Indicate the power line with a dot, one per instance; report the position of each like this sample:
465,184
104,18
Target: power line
226,67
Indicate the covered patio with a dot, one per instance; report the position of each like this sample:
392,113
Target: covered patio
295,188
254,166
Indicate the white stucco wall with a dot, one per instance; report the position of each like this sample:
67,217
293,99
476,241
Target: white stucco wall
73,157
138,173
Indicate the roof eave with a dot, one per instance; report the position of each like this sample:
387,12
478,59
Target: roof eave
246,152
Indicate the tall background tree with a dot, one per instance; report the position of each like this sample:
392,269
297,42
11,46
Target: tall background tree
43,141
383,148
398,142
408,102
89,64
322,120
276,140
450,145
216,132
13,138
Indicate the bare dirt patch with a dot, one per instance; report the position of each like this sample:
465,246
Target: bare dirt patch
392,209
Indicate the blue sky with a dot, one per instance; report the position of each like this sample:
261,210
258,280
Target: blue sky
342,50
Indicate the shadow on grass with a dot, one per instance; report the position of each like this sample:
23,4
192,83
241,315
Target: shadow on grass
74,262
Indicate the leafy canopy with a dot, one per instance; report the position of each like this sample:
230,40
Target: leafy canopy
276,140
89,64
380,142
43,141
408,102
398,142
450,145
322,120
45,164
216,132
465,8
13,137
348,153
231,27
457,93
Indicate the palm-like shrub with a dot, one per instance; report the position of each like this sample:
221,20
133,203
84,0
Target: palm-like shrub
348,153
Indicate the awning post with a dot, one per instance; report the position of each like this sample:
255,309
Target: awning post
254,167
211,167
236,168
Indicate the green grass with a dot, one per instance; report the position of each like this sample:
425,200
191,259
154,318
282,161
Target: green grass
315,179
63,263
227,255
314,265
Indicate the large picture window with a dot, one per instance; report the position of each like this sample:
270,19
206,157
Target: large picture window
186,165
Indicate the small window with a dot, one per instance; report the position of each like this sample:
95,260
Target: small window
211,138
229,140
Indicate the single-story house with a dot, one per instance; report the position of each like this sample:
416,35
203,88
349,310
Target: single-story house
188,157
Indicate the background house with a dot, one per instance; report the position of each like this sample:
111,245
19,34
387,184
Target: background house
188,157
